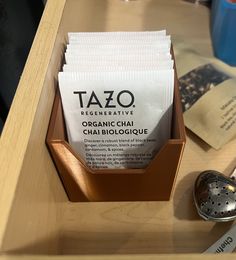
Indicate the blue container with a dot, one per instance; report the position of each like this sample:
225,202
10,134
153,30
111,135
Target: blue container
223,30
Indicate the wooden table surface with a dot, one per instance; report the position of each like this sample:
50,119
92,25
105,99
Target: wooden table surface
30,191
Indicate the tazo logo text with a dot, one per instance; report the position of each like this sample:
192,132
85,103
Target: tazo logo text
110,100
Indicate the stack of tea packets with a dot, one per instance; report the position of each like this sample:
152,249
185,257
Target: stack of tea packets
117,94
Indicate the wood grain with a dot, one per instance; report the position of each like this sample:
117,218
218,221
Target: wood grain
36,217
22,150
120,257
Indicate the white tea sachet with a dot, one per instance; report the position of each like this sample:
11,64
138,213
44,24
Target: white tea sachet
117,93
112,120
118,65
120,49
117,37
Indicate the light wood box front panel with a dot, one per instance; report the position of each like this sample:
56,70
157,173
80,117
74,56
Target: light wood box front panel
36,216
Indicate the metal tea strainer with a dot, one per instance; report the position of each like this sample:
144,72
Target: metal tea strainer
215,196
215,200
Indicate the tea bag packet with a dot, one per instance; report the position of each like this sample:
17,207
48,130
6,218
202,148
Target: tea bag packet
120,59
124,60
215,115
160,43
208,91
75,35
116,67
121,48
118,64
112,120
116,37
151,57
117,94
